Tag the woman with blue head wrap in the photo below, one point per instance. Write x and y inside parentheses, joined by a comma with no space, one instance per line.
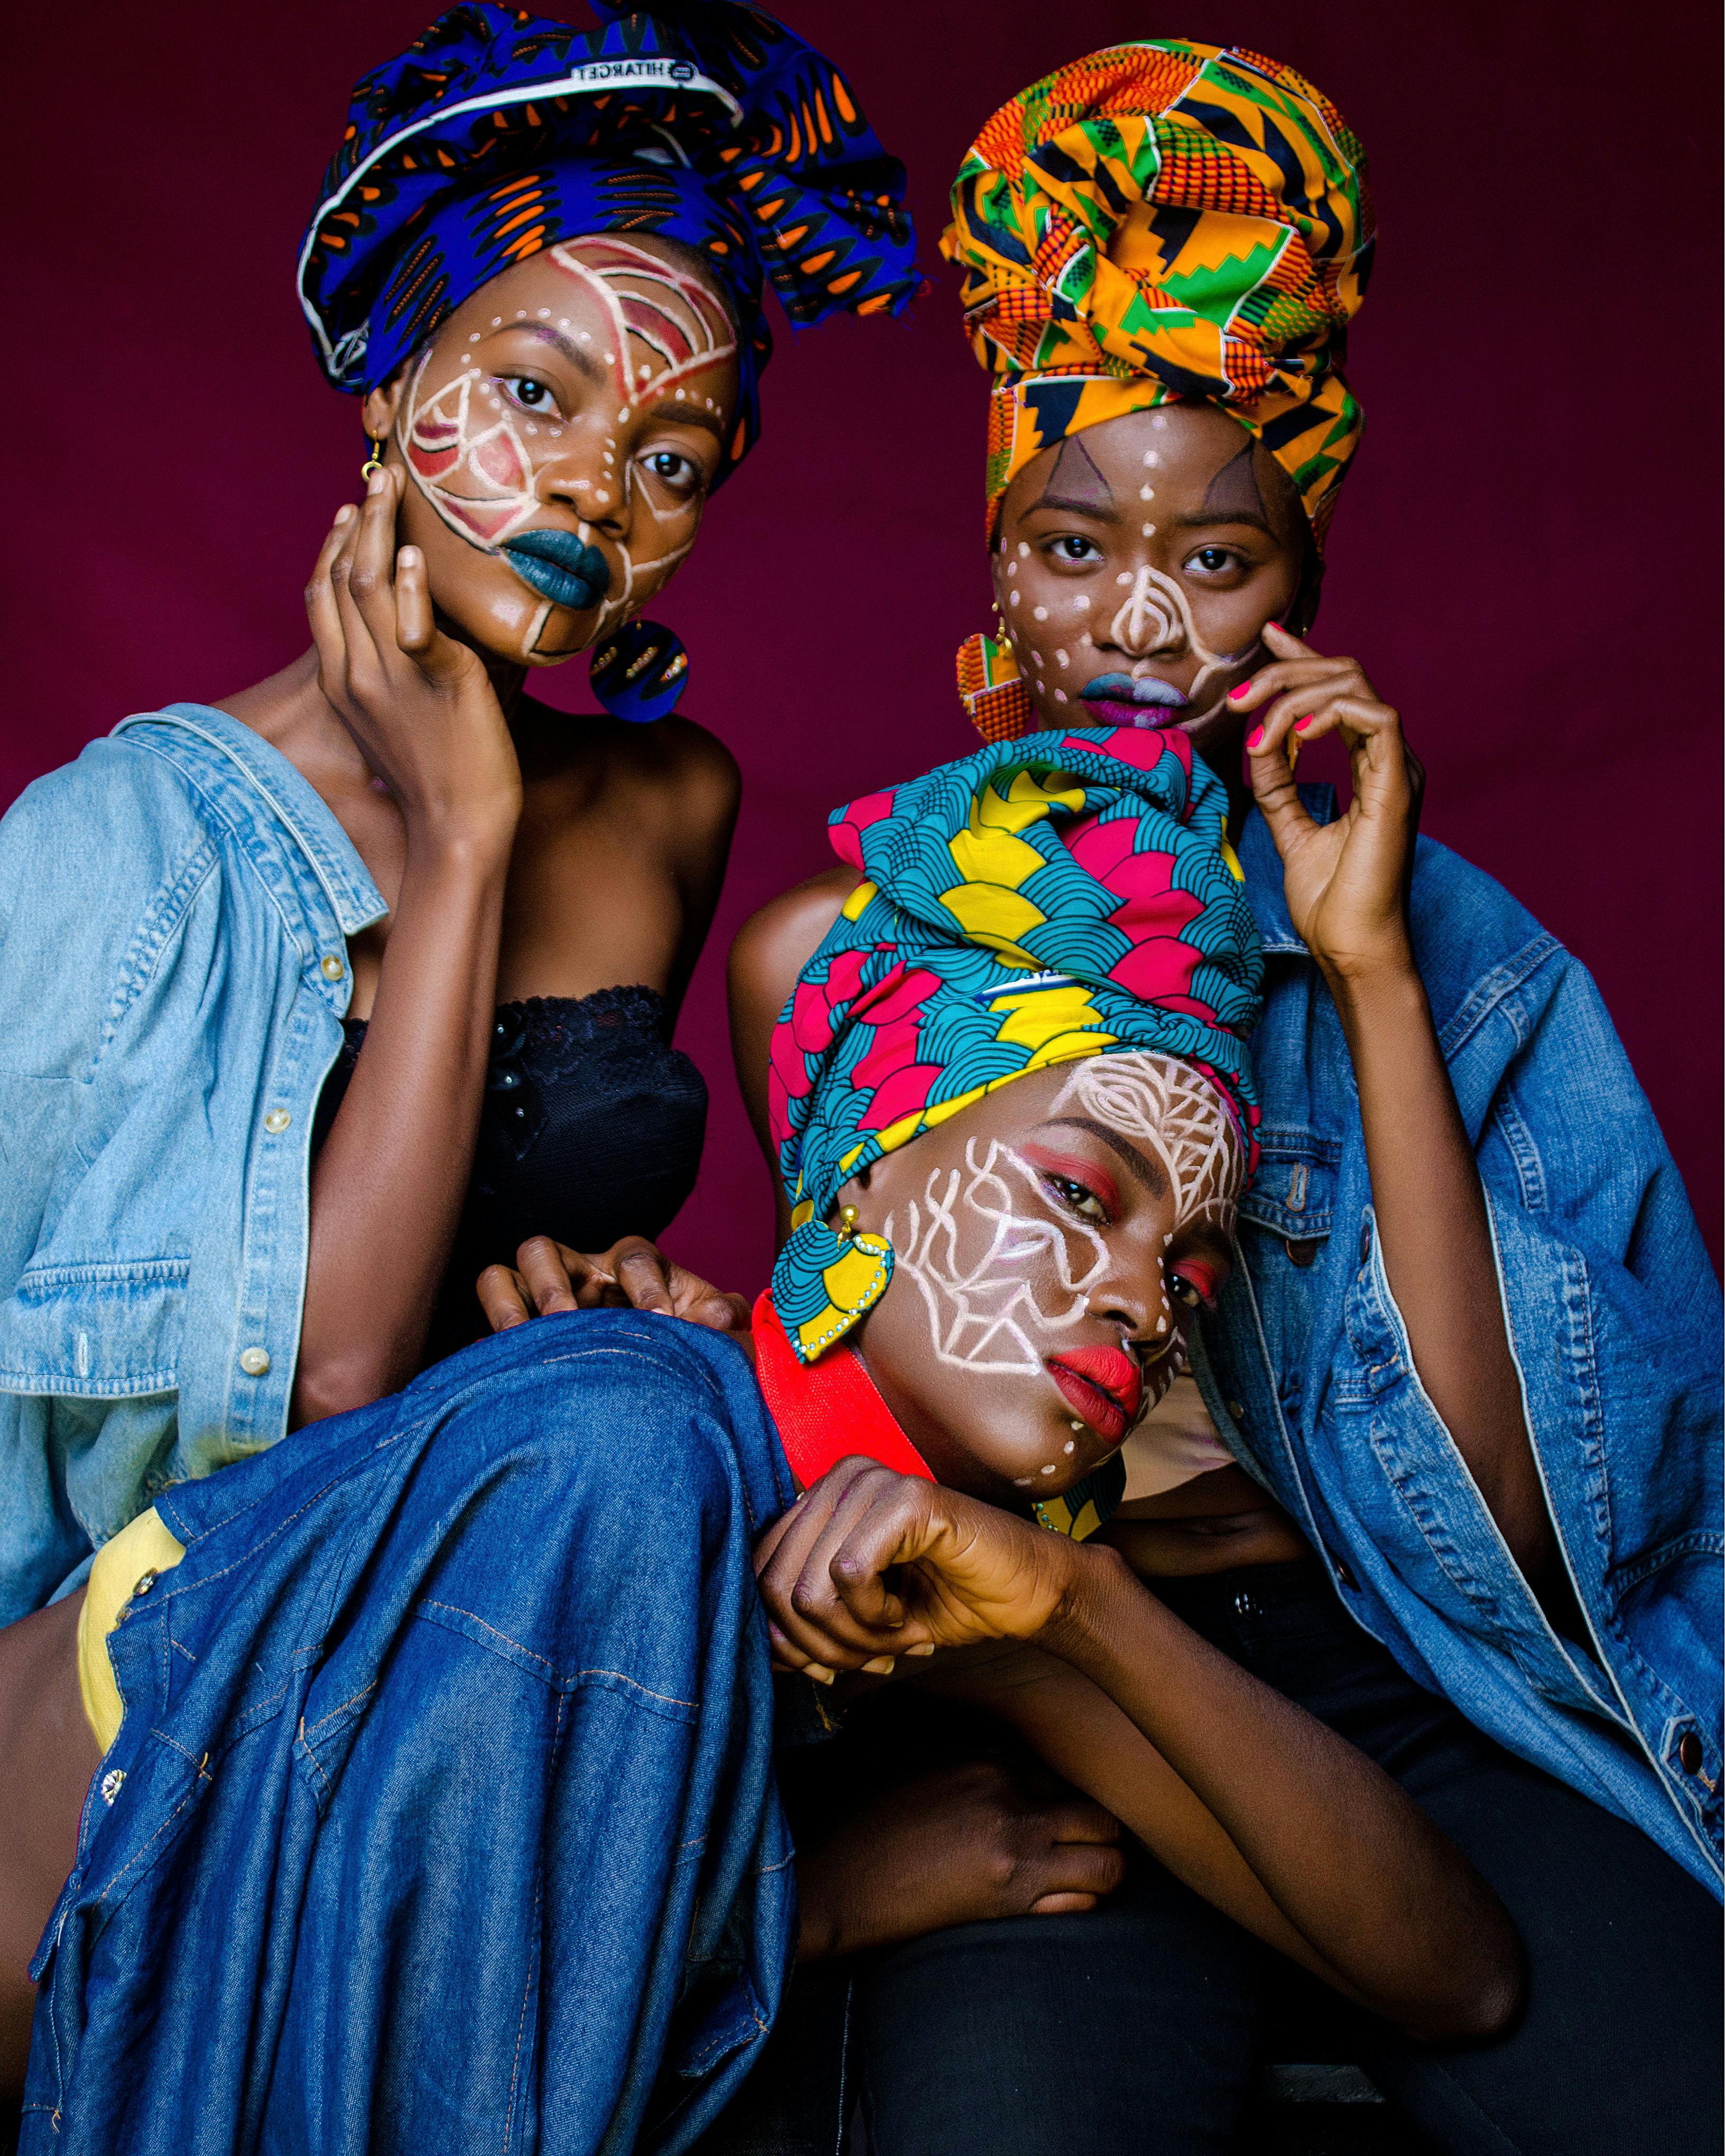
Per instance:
(418,1011)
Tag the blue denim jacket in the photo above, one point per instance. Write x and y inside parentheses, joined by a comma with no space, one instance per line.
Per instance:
(176,906)
(1614,1318)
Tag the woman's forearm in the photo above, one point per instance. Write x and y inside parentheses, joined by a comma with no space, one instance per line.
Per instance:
(1392,1909)
(1436,1243)
(387,1187)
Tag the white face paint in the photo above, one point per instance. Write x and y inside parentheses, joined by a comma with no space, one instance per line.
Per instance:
(467,448)
(980,1246)
(1168,1104)
(1156,617)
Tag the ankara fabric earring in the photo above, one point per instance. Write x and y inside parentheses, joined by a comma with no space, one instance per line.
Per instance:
(991,690)
(639,672)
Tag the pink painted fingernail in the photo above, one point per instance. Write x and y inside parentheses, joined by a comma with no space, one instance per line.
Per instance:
(1254,737)
(1301,725)
(1241,689)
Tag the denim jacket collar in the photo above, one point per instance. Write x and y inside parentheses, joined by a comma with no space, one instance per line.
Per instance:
(293,802)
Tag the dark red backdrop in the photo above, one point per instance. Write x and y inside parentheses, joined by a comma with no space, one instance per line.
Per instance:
(1526,556)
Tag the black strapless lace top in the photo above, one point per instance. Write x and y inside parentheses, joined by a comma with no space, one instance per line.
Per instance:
(591,1129)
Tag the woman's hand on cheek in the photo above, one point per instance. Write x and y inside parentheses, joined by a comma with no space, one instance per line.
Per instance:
(869,1565)
(548,1277)
(1345,882)
(420,706)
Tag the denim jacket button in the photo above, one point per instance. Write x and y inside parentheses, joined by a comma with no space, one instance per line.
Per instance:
(1343,1571)
(148,1581)
(254,1362)
(1236,1410)
(111,1784)
(333,969)
(276,1122)
(1365,1244)
(1690,1754)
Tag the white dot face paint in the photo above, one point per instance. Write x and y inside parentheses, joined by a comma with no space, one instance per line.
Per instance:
(1147,493)
(1040,613)
(1059,696)
(1082,604)
(1023,549)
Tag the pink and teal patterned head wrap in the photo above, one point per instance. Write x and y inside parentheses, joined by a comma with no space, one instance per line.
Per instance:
(1062,895)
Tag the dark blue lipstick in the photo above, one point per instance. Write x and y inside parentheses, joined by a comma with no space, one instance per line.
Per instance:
(560,568)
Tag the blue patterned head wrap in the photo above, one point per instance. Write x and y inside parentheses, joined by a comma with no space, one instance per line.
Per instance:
(497,134)
(1064,895)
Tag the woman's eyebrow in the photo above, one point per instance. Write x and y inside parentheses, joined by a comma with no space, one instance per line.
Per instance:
(1146,1172)
(691,415)
(582,362)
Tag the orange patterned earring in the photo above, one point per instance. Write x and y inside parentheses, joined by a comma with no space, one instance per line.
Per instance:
(991,690)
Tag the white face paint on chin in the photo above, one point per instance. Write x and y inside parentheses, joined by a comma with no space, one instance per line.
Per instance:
(995,1268)
(465,448)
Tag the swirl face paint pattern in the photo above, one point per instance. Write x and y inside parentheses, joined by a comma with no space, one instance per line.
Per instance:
(639,330)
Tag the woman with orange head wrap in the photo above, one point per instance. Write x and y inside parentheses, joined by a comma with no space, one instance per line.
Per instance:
(1447,1459)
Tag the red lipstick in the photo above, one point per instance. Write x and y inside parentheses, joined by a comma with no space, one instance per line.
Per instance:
(1102,1385)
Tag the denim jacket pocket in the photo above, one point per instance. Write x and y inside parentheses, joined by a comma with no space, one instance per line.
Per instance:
(1293,1193)
(102,1331)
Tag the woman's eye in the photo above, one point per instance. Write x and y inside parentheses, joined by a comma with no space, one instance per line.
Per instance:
(1071,547)
(1185,1291)
(531,394)
(1213,561)
(1084,1203)
(674,469)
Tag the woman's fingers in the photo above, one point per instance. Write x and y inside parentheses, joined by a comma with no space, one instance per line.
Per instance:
(640,1269)
(504,1298)
(371,574)
(321,609)
(796,1580)
(415,626)
(550,1275)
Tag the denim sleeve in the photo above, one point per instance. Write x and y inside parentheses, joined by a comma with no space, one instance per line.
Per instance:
(1614,1318)
(100,863)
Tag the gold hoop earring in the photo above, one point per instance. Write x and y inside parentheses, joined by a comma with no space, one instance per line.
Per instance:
(373,464)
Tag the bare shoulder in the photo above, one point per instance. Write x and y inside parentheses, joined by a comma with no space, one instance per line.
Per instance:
(685,766)
(773,945)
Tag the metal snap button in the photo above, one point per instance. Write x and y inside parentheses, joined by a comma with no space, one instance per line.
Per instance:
(254,1362)
(148,1581)
(1340,1567)
(276,1122)
(1690,1753)
(1365,1244)
(111,1784)
(333,969)
(1236,1410)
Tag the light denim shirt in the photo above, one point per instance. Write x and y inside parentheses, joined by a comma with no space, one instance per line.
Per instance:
(1614,1318)
(174,912)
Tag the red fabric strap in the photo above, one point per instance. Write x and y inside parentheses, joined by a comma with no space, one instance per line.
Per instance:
(826,1411)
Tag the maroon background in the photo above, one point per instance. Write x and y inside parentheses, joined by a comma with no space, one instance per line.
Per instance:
(1525,556)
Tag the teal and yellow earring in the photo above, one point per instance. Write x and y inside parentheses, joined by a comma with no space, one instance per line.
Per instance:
(825,1278)
(374,463)
(640,670)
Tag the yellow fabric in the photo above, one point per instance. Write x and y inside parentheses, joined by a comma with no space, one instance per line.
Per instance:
(144,1549)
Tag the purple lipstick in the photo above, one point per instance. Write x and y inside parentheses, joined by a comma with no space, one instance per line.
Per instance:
(1119,700)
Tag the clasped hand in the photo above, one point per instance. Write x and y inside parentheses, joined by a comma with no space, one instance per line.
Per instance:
(1345,882)
(869,1565)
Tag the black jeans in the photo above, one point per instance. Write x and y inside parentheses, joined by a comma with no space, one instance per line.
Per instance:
(1134,2031)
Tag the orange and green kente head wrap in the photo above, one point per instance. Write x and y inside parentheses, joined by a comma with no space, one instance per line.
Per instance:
(1162,221)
